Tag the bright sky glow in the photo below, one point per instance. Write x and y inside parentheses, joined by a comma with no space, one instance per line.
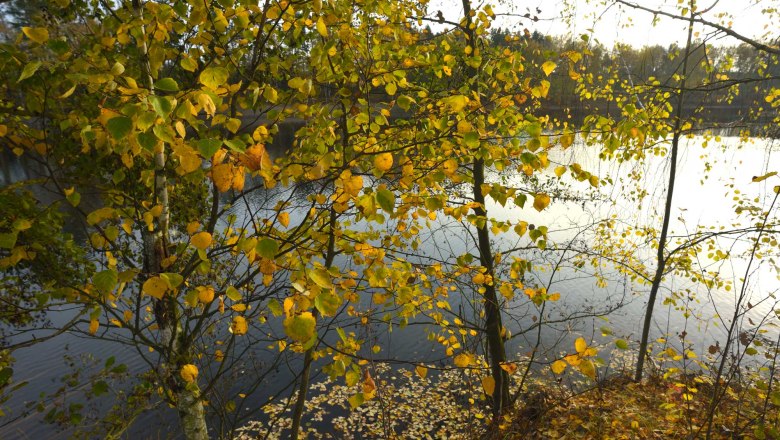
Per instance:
(610,22)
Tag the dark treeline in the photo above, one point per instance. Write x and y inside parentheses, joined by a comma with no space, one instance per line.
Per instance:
(722,79)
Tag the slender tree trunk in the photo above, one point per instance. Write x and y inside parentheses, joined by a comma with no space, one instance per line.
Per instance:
(495,341)
(493,326)
(188,402)
(661,257)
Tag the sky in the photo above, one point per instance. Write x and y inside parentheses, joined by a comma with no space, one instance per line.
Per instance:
(609,23)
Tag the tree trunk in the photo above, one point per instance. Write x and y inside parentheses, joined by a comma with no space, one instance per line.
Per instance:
(495,341)
(188,403)
(493,326)
(661,257)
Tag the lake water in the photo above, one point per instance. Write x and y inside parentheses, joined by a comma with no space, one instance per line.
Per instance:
(704,196)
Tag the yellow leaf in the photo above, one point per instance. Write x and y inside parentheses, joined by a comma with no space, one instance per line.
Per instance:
(764,177)
(192,227)
(155,287)
(222,175)
(352,377)
(238,178)
(488,385)
(301,327)
(580,345)
(321,28)
(421,371)
(68,92)
(587,368)
(256,158)
(238,307)
(350,184)
(239,325)
(462,360)
(509,367)
(383,161)
(205,294)
(201,240)
(548,67)
(39,35)
(189,373)
(450,167)
(321,277)
(541,201)
(456,103)
(560,170)
(478,279)
(284,219)
(93,326)
(573,359)
(127,315)
(558,366)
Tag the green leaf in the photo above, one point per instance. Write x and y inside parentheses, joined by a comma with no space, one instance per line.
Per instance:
(8,240)
(99,388)
(5,375)
(267,248)
(167,85)
(174,280)
(275,308)
(471,139)
(119,127)
(147,140)
(434,203)
(189,64)
(29,70)
(391,88)
(621,344)
(356,400)
(352,377)
(405,102)
(236,145)
(105,280)
(214,77)
(208,147)
(327,302)
(386,199)
(301,327)
(162,105)
(321,277)
(74,198)
(234,294)
(163,133)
